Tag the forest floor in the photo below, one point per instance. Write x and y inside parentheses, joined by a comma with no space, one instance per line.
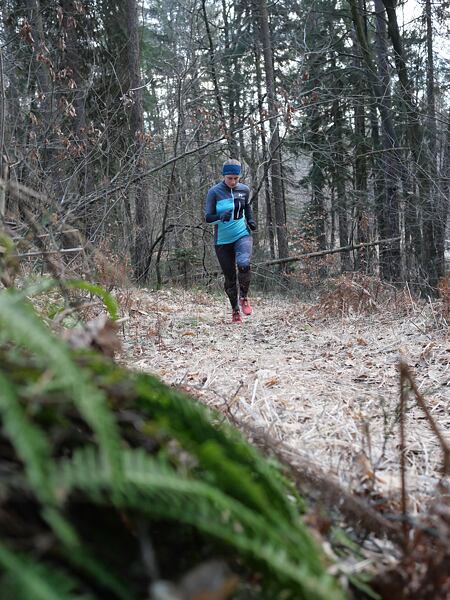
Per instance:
(322,378)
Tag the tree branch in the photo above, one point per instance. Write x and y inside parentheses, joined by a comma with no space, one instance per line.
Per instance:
(325,252)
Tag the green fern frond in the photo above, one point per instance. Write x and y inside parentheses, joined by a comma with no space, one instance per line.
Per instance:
(45,285)
(30,442)
(240,469)
(156,490)
(23,326)
(25,579)
(33,448)
(192,424)
(84,560)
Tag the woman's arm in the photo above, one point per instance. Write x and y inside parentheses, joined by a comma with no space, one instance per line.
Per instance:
(211,215)
(249,215)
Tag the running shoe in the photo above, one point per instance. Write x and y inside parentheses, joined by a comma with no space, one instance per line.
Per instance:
(236,318)
(246,306)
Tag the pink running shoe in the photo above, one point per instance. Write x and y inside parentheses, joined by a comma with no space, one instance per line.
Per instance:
(246,306)
(236,318)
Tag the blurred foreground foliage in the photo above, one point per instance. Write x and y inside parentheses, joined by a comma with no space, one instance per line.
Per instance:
(113,484)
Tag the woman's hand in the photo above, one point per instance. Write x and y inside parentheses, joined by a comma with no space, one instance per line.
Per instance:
(226,216)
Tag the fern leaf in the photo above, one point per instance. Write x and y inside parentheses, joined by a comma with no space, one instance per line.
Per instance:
(32,447)
(24,327)
(156,490)
(25,579)
(192,424)
(31,444)
(45,285)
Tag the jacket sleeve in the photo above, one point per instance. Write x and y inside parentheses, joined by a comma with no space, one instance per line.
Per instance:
(249,214)
(211,215)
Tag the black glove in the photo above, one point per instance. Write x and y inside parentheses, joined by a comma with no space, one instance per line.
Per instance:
(252,225)
(226,216)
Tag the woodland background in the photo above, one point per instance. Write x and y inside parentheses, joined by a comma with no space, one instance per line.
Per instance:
(119,115)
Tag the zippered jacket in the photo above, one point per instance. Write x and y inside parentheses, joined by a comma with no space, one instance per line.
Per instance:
(221,199)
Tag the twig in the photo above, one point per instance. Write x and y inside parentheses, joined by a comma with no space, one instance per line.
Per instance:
(255,385)
(45,252)
(406,374)
(404,500)
(122,320)
(68,311)
(88,199)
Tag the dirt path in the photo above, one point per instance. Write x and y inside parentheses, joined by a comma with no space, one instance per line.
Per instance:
(327,387)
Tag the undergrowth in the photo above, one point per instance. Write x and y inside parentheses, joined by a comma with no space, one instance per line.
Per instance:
(102,466)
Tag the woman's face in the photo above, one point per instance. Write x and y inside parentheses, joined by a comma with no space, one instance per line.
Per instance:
(231,180)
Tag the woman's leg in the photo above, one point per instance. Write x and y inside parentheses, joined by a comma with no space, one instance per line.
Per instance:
(227,260)
(243,249)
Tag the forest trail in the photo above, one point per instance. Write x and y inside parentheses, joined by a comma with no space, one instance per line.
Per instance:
(326,386)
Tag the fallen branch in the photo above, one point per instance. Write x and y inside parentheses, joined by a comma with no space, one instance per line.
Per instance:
(317,254)
(320,253)
(18,190)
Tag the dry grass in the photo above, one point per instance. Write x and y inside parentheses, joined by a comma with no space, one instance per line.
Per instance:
(327,386)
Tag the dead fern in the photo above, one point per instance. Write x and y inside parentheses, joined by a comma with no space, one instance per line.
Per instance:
(351,294)
(444,295)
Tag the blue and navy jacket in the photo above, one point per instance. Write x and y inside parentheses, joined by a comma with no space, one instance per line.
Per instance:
(220,199)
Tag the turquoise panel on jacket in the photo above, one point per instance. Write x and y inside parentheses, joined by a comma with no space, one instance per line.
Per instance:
(229,231)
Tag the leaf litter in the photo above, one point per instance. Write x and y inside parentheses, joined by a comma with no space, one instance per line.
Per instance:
(323,387)
(327,387)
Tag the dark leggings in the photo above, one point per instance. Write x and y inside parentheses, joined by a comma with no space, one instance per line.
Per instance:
(237,254)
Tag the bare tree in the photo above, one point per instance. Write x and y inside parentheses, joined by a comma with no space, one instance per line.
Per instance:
(262,16)
(139,193)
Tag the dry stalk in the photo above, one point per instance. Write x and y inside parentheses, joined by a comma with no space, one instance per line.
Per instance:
(404,499)
(407,381)
(406,375)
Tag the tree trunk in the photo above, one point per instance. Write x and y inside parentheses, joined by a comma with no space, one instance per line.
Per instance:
(141,243)
(438,198)
(431,101)
(73,61)
(44,107)
(231,67)
(274,143)
(338,170)
(317,179)
(363,260)
(265,153)
(215,81)
(171,188)
(387,207)
(431,251)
